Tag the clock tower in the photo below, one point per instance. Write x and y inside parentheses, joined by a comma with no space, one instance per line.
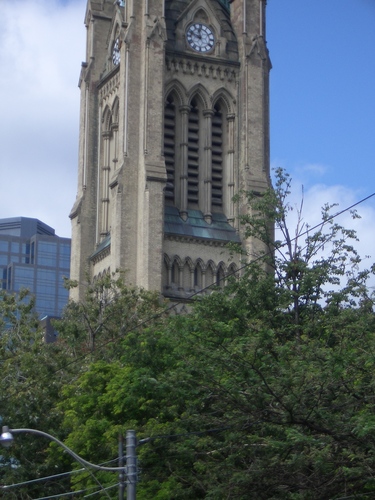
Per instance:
(174,122)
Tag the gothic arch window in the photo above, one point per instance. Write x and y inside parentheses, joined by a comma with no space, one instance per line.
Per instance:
(220,276)
(113,139)
(217,158)
(175,273)
(105,156)
(108,163)
(170,147)
(165,272)
(199,153)
(198,276)
(194,154)
(232,271)
(186,276)
(210,274)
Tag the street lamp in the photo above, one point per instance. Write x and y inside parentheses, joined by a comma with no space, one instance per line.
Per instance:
(130,470)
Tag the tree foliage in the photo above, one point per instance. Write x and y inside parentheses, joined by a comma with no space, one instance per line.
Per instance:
(32,374)
(264,390)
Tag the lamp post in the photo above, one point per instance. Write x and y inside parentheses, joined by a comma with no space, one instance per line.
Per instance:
(130,470)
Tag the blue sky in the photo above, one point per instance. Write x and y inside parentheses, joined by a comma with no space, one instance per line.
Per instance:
(323,90)
(322,105)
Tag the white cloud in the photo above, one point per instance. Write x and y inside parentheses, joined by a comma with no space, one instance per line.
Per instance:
(318,195)
(42,44)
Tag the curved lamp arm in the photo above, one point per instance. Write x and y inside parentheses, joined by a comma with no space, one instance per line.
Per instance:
(6,439)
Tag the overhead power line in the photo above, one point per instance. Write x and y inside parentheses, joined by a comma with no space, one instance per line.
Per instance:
(176,304)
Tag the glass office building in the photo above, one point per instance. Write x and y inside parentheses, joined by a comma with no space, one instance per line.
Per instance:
(33,257)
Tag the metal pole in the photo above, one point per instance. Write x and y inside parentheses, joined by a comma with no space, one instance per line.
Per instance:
(131,465)
(121,490)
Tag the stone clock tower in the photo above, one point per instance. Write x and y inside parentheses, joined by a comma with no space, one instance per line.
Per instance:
(174,122)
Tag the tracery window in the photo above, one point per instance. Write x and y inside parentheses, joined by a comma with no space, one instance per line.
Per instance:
(189,277)
(109,163)
(198,155)
(170,147)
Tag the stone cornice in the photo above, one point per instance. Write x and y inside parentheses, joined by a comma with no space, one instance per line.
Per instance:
(109,85)
(203,67)
(101,255)
(195,241)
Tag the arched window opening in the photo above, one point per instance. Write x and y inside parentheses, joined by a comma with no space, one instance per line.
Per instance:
(107,152)
(114,135)
(175,274)
(199,153)
(217,158)
(170,148)
(210,277)
(186,277)
(232,271)
(220,277)
(193,156)
(165,274)
(198,277)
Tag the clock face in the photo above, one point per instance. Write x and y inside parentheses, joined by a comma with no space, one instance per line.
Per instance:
(116,52)
(200,37)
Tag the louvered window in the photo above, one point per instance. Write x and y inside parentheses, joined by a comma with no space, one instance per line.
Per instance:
(217,158)
(199,156)
(193,157)
(170,147)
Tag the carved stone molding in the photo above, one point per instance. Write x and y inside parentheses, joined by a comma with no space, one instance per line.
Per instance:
(112,85)
(101,255)
(199,241)
(204,69)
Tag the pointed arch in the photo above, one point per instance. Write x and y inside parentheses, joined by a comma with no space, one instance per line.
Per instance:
(115,109)
(223,95)
(176,268)
(170,146)
(166,271)
(189,262)
(222,174)
(220,275)
(175,104)
(198,275)
(199,150)
(232,271)
(106,119)
(186,275)
(167,260)
(194,151)
(210,273)
(202,15)
(199,91)
(217,165)
(180,91)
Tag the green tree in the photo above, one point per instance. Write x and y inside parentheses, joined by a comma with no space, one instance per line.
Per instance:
(286,360)
(32,374)
(265,390)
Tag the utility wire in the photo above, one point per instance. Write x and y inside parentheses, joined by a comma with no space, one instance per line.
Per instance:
(39,479)
(96,492)
(55,476)
(173,306)
(76,492)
